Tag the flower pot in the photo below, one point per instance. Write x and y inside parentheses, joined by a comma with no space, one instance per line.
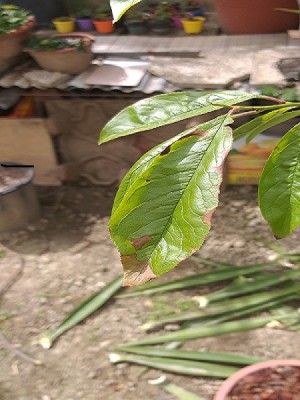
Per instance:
(64,25)
(137,27)
(227,387)
(19,204)
(194,25)
(68,61)
(256,16)
(11,44)
(160,27)
(85,24)
(104,26)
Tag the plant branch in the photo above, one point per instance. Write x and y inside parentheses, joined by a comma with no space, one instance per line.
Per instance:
(17,352)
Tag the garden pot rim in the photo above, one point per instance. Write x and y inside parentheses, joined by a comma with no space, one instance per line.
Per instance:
(28,176)
(193,19)
(63,19)
(230,382)
(31,22)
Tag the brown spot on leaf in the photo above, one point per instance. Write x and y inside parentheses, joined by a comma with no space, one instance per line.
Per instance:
(208,216)
(139,242)
(166,151)
(136,272)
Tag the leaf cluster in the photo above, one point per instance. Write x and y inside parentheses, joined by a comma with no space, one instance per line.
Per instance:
(164,206)
(12,17)
(56,43)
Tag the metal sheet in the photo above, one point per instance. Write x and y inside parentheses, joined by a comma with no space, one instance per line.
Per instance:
(117,72)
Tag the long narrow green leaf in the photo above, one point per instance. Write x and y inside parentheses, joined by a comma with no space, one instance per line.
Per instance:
(252,300)
(178,318)
(207,331)
(286,311)
(263,122)
(82,311)
(226,358)
(203,278)
(279,186)
(179,392)
(168,108)
(215,318)
(153,238)
(251,285)
(274,122)
(182,367)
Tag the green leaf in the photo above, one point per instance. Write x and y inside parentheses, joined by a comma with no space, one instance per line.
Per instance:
(119,7)
(179,392)
(264,122)
(279,187)
(168,108)
(82,311)
(165,214)
(146,160)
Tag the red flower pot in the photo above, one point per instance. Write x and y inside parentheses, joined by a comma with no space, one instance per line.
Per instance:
(228,385)
(256,16)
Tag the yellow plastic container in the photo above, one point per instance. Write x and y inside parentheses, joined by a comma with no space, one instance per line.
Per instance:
(64,25)
(194,25)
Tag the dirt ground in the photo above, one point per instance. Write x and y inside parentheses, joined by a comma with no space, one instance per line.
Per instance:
(68,255)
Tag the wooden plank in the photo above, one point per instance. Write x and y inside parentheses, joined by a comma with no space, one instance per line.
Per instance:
(27,141)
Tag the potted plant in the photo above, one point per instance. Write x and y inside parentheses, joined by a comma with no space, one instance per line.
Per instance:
(255,17)
(103,20)
(192,24)
(16,25)
(275,379)
(84,20)
(160,21)
(68,53)
(136,21)
(194,7)
(64,24)
(187,10)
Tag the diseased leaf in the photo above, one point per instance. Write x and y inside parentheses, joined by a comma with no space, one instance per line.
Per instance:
(165,213)
(146,160)
(119,7)
(263,122)
(279,187)
(168,108)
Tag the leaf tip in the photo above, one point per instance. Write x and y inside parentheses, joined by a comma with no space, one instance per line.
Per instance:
(136,272)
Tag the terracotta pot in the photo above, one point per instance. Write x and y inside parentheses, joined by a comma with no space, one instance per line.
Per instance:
(11,44)
(231,382)
(68,61)
(105,26)
(256,16)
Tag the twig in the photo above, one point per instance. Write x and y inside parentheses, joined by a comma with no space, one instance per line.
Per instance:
(4,288)
(17,352)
